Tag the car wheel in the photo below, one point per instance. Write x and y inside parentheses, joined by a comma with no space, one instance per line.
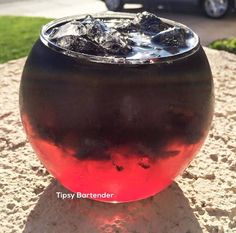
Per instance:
(215,8)
(114,5)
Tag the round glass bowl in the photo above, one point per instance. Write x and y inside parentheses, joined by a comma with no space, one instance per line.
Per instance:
(105,125)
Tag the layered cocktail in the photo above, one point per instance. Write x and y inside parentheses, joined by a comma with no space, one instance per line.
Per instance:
(116,103)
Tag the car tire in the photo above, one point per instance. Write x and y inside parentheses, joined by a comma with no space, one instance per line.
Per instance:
(215,9)
(114,5)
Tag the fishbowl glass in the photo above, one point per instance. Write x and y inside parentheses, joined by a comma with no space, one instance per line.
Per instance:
(116,124)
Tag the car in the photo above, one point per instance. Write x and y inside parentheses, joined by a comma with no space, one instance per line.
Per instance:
(212,8)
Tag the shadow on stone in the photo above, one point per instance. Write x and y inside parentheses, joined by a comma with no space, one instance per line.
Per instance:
(169,211)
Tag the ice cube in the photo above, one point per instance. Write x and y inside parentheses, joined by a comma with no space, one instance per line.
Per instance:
(96,30)
(66,42)
(172,37)
(73,28)
(126,26)
(94,27)
(145,22)
(91,36)
(110,40)
(148,23)
(88,19)
(80,44)
(115,43)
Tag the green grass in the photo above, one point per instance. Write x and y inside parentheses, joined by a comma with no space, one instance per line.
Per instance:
(17,35)
(224,44)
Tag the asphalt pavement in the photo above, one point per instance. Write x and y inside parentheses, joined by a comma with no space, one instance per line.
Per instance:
(207,29)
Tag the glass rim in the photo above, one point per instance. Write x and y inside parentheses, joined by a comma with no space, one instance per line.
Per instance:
(114,59)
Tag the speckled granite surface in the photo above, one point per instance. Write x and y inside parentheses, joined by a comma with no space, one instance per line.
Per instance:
(203,199)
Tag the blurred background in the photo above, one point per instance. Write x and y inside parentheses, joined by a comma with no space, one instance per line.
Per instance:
(213,20)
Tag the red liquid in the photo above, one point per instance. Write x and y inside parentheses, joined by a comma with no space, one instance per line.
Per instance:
(125,175)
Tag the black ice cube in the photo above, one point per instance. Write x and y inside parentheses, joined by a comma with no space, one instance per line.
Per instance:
(172,37)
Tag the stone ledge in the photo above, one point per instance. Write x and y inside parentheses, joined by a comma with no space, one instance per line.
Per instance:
(203,199)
